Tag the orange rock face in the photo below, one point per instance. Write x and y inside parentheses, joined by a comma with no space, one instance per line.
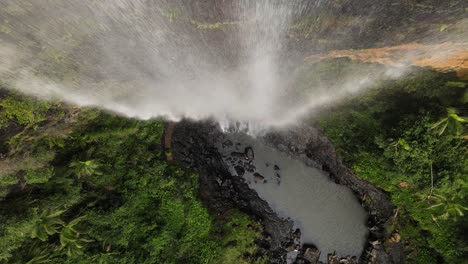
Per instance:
(445,57)
(403,184)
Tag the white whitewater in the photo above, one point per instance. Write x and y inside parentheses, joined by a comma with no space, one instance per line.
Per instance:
(172,59)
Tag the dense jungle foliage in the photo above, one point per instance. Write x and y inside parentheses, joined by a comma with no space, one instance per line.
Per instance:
(408,137)
(84,186)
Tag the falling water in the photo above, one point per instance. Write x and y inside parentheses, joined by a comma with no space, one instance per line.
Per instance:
(227,60)
(149,58)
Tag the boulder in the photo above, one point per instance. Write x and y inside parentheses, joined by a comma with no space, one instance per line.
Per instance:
(258,178)
(239,170)
(311,255)
(249,154)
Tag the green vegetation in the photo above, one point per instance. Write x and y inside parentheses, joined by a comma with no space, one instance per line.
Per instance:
(83,186)
(172,14)
(408,137)
(216,25)
(23,111)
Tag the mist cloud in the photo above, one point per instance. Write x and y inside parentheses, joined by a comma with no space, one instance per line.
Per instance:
(149,59)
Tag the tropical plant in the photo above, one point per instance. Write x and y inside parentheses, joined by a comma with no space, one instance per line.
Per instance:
(49,223)
(72,239)
(446,207)
(38,253)
(23,111)
(104,258)
(39,260)
(452,123)
(400,143)
(85,168)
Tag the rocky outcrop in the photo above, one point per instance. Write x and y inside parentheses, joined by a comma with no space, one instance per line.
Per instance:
(444,57)
(314,149)
(308,255)
(194,144)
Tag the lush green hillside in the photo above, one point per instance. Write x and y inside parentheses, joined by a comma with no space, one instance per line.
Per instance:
(407,136)
(83,186)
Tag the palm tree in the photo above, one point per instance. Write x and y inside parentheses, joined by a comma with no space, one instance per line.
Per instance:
(448,208)
(42,259)
(104,258)
(452,123)
(49,223)
(39,253)
(85,168)
(71,239)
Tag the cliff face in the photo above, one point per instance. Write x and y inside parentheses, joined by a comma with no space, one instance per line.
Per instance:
(444,57)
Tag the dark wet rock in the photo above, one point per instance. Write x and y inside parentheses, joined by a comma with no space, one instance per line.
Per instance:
(377,254)
(311,255)
(237,155)
(276,167)
(227,144)
(293,148)
(239,170)
(234,192)
(396,252)
(265,242)
(395,248)
(308,254)
(249,153)
(238,145)
(278,178)
(219,181)
(258,177)
(332,259)
(267,164)
(226,183)
(376,233)
(250,168)
(194,144)
(282,147)
(297,233)
(290,246)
